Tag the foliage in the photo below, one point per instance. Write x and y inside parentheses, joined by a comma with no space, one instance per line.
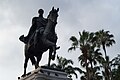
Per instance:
(92,59)
(115,64)
(66,65)
(103,38)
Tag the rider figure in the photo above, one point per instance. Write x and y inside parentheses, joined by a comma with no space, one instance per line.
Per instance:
(38,24)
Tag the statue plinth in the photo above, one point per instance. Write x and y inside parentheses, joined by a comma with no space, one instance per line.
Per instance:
(43,73)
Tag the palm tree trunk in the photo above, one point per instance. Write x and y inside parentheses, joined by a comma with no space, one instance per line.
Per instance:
(87,71)
(91,77)
(104,49)
(111,74)
(103,44)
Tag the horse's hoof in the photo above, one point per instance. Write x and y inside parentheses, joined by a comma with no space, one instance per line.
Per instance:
(18,77)
(41,71)
(36,66)
(23,75)
(57,47)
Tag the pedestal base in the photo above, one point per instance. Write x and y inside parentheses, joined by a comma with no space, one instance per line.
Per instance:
(45,74)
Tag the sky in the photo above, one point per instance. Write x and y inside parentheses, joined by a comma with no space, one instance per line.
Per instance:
(74,16)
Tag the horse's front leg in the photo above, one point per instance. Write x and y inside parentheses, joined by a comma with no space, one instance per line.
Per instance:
(32,58)
(25,66)
(56,48)
(38,59)
(49,43)
(50,56)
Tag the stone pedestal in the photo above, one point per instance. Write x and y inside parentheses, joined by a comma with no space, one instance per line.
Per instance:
(45,74)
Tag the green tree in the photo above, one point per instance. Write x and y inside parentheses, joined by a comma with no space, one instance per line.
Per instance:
(115,64)
(90,53)
(104,39)
(106,68)
(83,44)
(66,65)
(116,73)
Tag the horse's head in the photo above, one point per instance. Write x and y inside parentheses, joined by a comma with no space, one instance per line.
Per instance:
(53,15)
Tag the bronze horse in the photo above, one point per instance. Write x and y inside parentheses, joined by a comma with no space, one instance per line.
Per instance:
(46,41)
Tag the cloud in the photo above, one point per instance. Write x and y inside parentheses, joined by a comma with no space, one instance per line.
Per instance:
(74,16)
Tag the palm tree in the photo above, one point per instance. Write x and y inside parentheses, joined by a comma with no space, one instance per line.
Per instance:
(84,45)
(90,53)
(104,39)
(106,68)
(116,73)
(94,58)
(89,44)
(115,64)
(111,68)
(94,74)
(66,65)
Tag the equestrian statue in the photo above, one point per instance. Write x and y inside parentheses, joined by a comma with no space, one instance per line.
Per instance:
(41,37)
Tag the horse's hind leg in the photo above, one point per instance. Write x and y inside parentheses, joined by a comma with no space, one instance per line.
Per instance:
(53,56)
(25,65)
(50,56)
(38,59)
(32,58)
